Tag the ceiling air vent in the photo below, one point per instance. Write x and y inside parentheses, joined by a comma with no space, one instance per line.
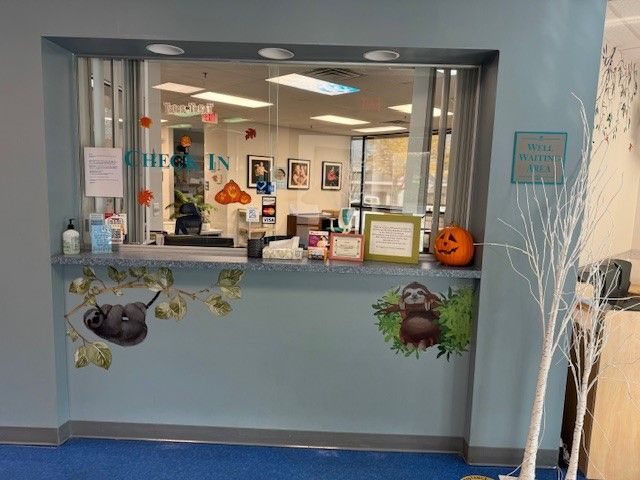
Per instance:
(333,73)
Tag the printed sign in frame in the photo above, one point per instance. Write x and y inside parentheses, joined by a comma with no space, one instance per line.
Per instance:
(538,157)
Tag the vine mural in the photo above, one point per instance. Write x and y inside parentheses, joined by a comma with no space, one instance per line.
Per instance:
(617,89)
(125,325)
(412,319)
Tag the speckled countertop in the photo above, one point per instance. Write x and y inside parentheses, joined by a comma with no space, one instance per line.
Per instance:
(202,261)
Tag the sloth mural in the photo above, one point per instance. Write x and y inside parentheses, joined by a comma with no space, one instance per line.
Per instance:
(126,325)
(412,319)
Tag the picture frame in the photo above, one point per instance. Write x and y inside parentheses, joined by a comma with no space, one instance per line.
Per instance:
(299,174)
(259,168)
(392,238)
(331,176)
(349,247)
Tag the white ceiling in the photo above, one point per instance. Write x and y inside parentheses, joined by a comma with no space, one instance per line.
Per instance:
(380,87)
(622,28)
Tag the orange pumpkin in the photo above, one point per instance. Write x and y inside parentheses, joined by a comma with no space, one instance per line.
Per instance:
(454,246)
(245,198)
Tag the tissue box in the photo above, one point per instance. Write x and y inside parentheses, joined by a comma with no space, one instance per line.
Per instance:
(282,253)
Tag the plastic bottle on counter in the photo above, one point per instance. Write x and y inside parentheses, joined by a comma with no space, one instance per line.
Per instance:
(71,240)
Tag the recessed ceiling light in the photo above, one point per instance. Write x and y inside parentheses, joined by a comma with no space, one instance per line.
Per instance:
(231,100)
(164,49)
(389,128)
(273,53)
(407,109)
(180,125)
(311,84)
(235,120)
(381,55)
(339,119)
(177,87)
(453,72)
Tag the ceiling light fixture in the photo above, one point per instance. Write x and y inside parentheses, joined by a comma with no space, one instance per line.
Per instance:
(235,120)
(231,100)
(453,72)
(180,125)
(163,120)
(381,55)
(177,87)
(407,109)
(311,84)
(387,129)
(274,53)
(339,119)
(164,49)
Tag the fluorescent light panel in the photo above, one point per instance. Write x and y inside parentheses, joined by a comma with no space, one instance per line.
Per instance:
(386,129)
(311,84)
(235,120)
(407,109)
(180,125)
(231,100)
(177,87)
(339,119)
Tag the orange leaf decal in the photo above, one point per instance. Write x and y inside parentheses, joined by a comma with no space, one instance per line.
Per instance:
(249,133)
(145,197)
(145,122)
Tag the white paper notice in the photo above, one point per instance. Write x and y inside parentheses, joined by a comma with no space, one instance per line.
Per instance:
(391,238)
(103,172)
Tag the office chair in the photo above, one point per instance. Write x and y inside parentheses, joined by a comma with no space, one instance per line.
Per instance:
(190,220)
(344,221)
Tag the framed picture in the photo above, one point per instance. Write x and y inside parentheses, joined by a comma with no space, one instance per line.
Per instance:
(346,246)
(259,169)
(331,176)
(298,175)
(392,238)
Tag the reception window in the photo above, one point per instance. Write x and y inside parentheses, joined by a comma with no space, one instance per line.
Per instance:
(204,142)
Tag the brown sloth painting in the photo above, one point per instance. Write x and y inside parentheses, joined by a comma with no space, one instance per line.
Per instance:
(417,307)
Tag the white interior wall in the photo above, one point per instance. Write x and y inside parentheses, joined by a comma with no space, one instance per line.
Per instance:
(618,232)
(290,143)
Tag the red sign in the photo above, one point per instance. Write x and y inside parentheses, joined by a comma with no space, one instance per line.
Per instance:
(210,117)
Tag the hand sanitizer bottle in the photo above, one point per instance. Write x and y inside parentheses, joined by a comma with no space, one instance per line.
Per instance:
(70,240)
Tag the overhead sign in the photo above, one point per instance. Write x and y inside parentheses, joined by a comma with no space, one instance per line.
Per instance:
(211,117)
(538,157)
(189,109)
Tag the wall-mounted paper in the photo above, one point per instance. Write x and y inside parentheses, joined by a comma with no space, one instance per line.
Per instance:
(103,172)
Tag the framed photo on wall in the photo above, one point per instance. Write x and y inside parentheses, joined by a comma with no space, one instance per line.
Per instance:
(259,169)
(331,176)
(298,175)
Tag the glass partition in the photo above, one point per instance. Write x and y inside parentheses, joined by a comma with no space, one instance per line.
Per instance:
(203,142)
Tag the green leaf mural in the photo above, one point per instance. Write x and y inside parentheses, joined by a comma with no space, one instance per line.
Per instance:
(125,325)
(412,319)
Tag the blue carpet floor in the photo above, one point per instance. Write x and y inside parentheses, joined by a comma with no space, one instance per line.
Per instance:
(85,459)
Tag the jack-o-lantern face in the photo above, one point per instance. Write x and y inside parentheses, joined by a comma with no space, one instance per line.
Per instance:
(454,246)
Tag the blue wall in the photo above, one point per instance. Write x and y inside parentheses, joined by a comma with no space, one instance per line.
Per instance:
(299,351)
(548,49)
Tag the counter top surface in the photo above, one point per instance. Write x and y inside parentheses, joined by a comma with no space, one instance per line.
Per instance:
(203,261)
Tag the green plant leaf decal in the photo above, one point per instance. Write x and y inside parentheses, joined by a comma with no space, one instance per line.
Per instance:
(72,334)
(115,275)
(232,292)
(217,305)
(163,311)
(80,357)
(152,283)
(99,354)
(165,277)
(178,307)
(455,317)
(88,272)
(80,285)
(138,272)
(229,277)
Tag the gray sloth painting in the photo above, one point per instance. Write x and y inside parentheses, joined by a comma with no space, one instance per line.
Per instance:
(126,324)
